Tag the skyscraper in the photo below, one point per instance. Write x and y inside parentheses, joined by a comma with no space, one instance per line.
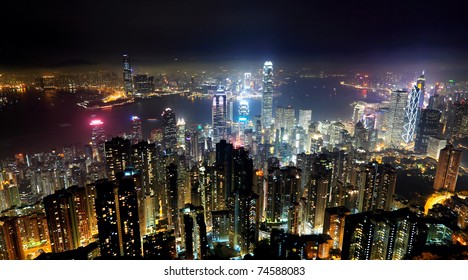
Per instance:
(267,96)
(447,169)
(396,119)
(412,112)
(379,235)
(98,137)
(219,115)
(169,129)
(305,118)
(421,84)
(127,76)
(67,218)
(243,119)
(137,133)
(117,156)
(118,218)
(428,126)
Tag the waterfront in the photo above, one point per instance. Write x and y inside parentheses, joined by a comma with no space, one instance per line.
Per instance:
(43,121)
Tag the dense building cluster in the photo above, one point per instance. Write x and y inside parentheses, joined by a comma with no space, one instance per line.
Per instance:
(270,186)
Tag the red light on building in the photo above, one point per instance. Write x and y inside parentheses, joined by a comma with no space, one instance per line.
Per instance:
(96,122)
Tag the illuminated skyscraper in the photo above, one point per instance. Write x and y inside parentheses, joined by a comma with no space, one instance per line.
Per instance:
(137,134)
(305,118)
(127,76)
(267,96)
(118,219)
(447,169)
(98,137)
(421,84)
(428,125)
(396,119)
(243,119)
(379,235)
(194,232)
(117,156)
(169,129)
(247,81)
(219,115)
(412,112)
(67,218)
(181,134)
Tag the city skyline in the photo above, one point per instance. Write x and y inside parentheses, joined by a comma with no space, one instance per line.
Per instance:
(234,130)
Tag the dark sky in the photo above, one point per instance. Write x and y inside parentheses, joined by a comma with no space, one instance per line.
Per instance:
(59,33)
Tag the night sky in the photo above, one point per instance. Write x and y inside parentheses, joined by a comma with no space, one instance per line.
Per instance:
(57,33)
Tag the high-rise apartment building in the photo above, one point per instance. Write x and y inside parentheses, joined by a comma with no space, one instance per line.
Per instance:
(447,169)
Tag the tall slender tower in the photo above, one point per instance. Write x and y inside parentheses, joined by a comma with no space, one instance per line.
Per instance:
(219,115)
(169,129)
(267,97)
(98,137)
(127,76)
(412,111)
(137,133)
(396,117)
(421,84)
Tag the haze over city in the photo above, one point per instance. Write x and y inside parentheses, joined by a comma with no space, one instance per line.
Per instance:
(234,130)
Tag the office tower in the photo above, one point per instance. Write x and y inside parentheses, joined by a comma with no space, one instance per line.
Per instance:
(68,219)
(421,84)
(169,129)
(247,82)
(380,235)
(334,224)
(305,118)
(98,137)
(243,120)
(412,112)
(194,232)
(219,115)
(267,95)
(434,145)
(143,159)
(137,133)
(284,118)
(143,84)
(358,111)
(428,126)
(457,120)
(118,219)
(160,245)
(127,76)
(172,198)
(181,134)
(447,169)
(360,137)
(118,153)
(396,119)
